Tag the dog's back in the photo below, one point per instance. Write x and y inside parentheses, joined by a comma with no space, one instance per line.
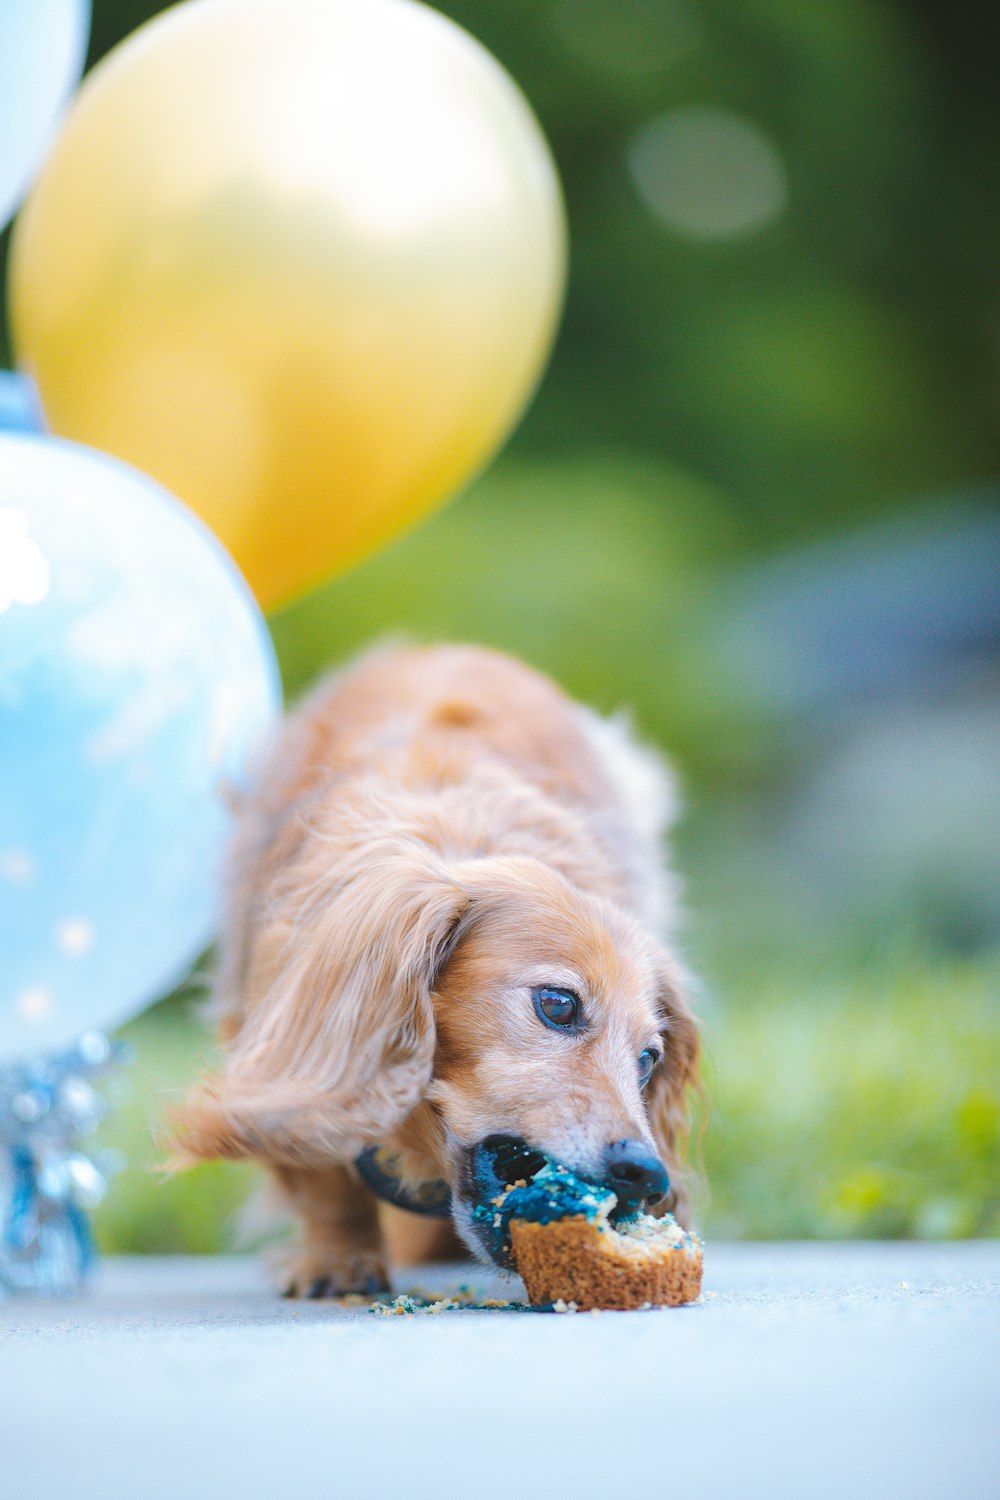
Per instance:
(449,713)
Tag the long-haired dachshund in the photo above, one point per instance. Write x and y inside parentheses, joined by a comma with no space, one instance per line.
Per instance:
(440,938)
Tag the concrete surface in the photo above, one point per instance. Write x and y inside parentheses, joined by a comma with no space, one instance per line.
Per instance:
(807,1371)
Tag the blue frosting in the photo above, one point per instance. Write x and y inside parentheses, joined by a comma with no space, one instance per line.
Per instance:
(554,1192)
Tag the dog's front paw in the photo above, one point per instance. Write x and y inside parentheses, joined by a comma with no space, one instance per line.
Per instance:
(317,1273)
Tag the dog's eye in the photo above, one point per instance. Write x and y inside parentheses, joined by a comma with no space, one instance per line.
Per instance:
(559,1008)
(648,1059)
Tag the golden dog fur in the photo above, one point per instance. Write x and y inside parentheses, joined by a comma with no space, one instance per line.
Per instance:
(437,831)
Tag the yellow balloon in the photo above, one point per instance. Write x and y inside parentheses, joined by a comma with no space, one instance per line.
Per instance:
(301,261)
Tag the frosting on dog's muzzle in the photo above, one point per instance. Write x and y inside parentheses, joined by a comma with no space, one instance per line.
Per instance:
(378,1169)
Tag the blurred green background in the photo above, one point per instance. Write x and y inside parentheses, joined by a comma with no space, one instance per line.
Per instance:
(754,502)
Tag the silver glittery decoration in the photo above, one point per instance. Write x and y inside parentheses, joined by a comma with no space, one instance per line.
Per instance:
(48,1184)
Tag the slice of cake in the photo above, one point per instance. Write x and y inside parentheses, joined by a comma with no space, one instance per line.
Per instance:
(567,1250)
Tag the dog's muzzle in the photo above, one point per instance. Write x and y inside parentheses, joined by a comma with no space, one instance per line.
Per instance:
(631,1171)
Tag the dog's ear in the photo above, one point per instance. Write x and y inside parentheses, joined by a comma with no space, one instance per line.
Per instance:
(339,1047)
(670,1088)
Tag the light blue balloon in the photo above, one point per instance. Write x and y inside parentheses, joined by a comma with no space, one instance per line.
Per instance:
(43,44)
(137,684)
(20,408)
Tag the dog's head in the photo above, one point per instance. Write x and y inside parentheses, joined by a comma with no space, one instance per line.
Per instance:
(560,1025)
(432,1007)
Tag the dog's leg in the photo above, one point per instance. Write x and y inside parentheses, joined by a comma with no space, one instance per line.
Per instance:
(341,1248)
(413,1241)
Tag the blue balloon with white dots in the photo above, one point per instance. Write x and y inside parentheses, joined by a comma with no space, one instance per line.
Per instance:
(138,688)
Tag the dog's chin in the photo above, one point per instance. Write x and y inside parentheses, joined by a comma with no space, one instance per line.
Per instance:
(474,1233)
(471,1208)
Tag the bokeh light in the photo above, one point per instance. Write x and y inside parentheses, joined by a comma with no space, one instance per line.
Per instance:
(708,173)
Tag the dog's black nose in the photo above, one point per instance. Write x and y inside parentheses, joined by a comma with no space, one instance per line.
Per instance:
(637,1175)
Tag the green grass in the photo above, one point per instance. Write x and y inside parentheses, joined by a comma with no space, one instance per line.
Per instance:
(864,1108)
(146,1211)
(867,1107)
